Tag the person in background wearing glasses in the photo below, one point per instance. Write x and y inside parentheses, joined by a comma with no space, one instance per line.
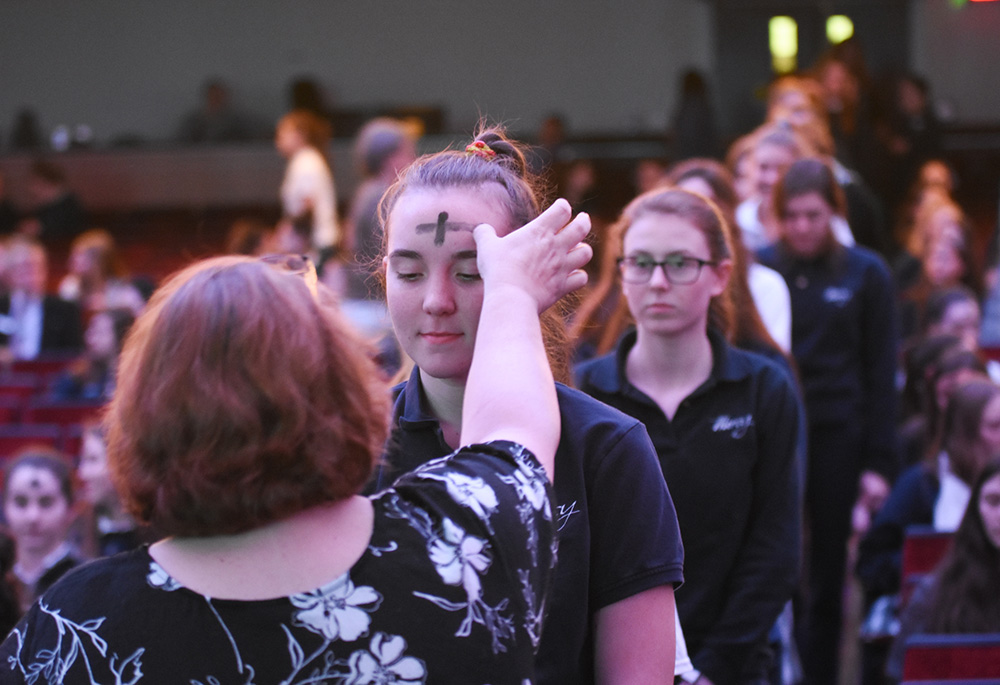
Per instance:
(724,423)
(845,341)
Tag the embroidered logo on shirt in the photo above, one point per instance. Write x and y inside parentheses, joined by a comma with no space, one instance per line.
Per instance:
(837,296)
(565,511)
(738,425)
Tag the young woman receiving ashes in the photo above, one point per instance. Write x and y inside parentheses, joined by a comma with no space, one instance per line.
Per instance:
(611,613)
(245,421)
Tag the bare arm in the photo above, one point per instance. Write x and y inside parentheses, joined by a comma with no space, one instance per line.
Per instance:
(634,639)
(510,393)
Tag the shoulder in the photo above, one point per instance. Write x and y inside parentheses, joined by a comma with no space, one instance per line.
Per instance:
(580,409)
(600,373)
(869,262)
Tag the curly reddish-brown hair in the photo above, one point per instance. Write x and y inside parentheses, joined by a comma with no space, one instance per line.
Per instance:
(241,399)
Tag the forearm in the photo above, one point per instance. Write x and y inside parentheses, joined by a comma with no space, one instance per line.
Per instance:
(510,393)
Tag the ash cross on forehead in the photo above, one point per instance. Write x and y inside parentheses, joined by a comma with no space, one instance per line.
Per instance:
(443,225)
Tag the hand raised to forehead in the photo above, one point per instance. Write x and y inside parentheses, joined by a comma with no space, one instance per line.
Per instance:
(544,258)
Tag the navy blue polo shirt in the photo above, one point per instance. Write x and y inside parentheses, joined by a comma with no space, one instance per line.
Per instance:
(618,533)
(729,456)
(845,341)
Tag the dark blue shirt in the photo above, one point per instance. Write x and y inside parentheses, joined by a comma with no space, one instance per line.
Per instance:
(618,533)
(730,457)
(845,341)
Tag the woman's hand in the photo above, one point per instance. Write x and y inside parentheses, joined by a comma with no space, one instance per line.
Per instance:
(544,258)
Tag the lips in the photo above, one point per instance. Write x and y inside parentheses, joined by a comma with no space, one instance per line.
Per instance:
(440,337)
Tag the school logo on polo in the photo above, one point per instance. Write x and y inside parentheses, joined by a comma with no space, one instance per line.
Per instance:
(837,296)
(737,425)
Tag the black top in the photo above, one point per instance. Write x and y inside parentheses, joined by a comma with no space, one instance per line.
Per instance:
(450,589)
(846,343)
(730,457)
(618,531)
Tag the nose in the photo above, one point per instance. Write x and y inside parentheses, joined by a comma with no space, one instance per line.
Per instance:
(439,298)
(658,279)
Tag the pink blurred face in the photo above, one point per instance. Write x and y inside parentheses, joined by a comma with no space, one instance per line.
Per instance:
(989,425)
(961,319)
(805,225)
(433,288)
(100,337)
(772,162)
(28,271)
(36,510)
(943,263)
(93,471)
(989,509)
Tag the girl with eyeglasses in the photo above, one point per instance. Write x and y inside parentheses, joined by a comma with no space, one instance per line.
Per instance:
(844,340)
(724,423)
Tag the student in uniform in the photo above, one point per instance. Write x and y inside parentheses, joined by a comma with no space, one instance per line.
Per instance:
(724,422)
(845,342)
(611,611)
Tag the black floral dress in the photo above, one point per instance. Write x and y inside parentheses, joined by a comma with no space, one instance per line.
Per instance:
(450,589)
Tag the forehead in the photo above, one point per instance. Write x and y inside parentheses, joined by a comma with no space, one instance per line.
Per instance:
(419,214)
(804,202)
(33,479)
(992,486)
(665,233)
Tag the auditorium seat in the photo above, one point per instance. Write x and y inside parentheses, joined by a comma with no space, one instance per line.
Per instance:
(952,658)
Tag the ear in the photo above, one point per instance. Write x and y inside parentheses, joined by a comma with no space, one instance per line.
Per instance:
(722,271)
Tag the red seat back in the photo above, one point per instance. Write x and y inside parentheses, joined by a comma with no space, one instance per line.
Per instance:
(952,657)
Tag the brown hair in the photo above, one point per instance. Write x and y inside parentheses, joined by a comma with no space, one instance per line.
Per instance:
(704,215)
(809,175)
(961,427)
(100,245)
(47,459)
(965,599)
(241,399)
(521,198)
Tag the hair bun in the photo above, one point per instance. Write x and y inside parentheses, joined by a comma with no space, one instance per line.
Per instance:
(507,152)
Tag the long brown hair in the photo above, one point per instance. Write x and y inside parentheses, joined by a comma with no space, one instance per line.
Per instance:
(965,598)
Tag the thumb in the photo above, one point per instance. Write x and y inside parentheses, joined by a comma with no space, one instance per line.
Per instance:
(483,234)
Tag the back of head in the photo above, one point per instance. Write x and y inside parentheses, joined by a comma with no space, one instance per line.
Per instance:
(314,129)
(377,142)
(241,399)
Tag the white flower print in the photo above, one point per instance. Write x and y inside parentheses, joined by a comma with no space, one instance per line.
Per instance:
(459,558)
(339,610)
(159,578)
(469,491)
(385,663)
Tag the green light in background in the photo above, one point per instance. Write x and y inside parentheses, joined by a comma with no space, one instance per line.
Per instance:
(839,28)
(783,38)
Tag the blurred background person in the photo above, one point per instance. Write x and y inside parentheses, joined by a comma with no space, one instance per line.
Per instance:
(307,191)
(31,321)
(38,510)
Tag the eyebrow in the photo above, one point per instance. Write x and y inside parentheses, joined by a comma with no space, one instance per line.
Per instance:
(412,254)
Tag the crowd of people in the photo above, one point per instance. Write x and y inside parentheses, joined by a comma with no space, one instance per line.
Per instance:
(387,443)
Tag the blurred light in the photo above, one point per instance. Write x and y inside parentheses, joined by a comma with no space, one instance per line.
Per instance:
(783,37)
(839,28)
